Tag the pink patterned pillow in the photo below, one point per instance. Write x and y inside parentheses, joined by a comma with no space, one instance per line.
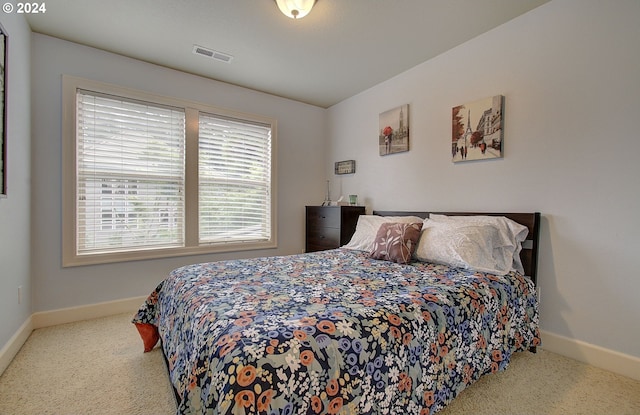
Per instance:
(396,242)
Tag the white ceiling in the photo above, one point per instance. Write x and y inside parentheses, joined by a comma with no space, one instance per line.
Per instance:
(341,48)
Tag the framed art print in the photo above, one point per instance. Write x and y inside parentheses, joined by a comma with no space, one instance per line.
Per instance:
(393,131)
(3,112)
(477,130)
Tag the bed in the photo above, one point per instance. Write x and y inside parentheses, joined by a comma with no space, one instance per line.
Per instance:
(372,327)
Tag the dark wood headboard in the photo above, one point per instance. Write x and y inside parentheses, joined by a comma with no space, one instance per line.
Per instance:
(529,253)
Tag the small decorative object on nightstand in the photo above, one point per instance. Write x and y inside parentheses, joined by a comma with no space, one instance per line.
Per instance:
(330,227)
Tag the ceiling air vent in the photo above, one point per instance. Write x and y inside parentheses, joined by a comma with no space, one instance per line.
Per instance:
(212,54)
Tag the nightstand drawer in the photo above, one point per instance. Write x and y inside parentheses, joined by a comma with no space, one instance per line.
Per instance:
(323,217)
(323,238)
(330,227)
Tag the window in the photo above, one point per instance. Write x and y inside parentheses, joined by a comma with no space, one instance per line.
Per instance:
(148,176)
(234,179)
(129,174)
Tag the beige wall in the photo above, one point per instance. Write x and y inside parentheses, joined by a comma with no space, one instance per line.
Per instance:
(15,208)
(301,135)
(569,73)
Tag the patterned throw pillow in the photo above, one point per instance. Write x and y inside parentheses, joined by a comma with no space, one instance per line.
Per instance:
(368,226)
(396,242)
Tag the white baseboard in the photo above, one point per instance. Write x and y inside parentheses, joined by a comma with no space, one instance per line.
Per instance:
(11,349)
(86,312)
(593,355)
(62,316)
(611,360)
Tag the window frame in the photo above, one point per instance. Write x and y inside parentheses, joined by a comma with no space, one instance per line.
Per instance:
(192,246)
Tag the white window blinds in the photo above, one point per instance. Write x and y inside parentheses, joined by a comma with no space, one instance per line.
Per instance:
(234,180)
(130,174)
(148,176)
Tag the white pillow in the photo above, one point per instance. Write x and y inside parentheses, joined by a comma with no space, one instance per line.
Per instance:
(481,243)
(367,229)
(512,230)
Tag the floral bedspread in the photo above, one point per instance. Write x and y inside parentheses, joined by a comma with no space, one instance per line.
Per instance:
(335,332)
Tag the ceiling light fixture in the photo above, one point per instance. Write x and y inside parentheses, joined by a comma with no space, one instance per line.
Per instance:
(295,9)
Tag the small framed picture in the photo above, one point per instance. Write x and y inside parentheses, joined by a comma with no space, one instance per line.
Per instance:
(345,167)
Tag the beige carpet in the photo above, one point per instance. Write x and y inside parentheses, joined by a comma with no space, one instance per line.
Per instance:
(97,367)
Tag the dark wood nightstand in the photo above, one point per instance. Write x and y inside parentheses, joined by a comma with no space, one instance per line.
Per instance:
(330,227)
